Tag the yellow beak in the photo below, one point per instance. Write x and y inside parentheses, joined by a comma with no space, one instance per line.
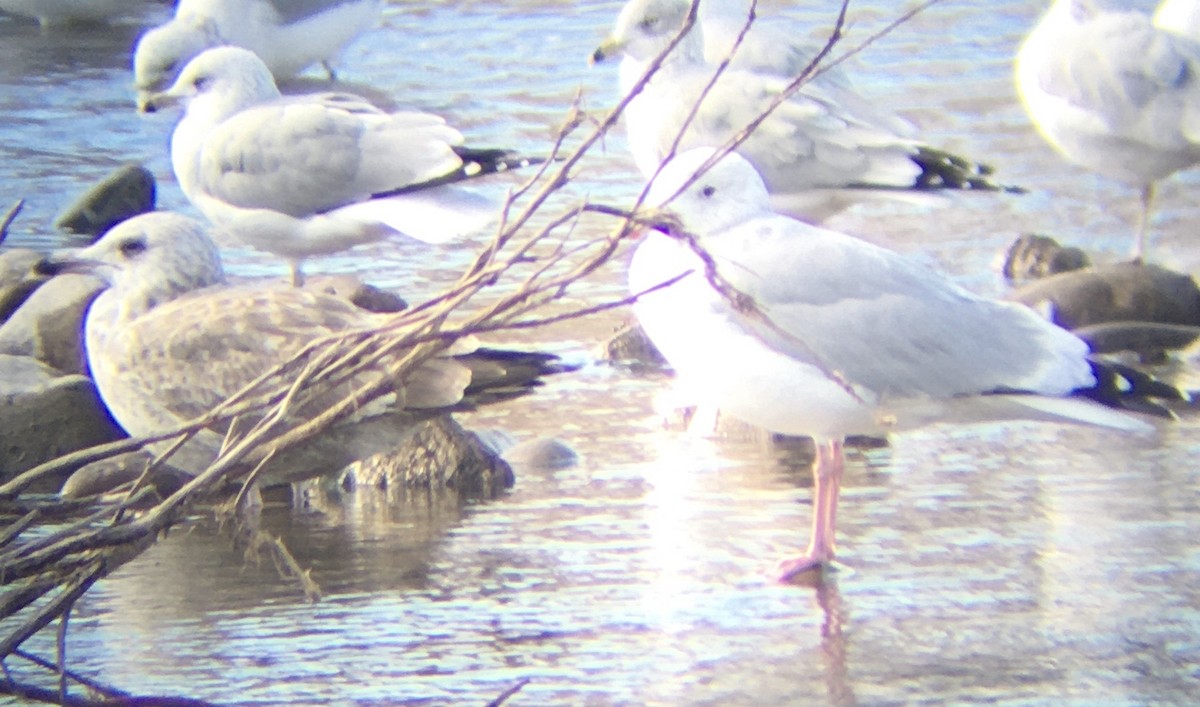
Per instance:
(608,48)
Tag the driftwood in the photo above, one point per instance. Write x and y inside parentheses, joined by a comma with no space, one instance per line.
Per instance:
(528,265)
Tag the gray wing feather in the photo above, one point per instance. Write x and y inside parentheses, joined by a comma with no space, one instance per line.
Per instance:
(887,323)
(308,156)
(291,11)
(809,142)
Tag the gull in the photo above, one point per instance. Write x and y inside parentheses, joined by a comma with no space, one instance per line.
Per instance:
(316,174)
(818,153)
(770,46)
(167,340)
(848,338)
(1113,94)
(287,36)
(55,12)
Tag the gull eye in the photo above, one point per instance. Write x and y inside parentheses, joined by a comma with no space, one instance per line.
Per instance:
(708,191)
(201,83)
(132,247)
(648,23)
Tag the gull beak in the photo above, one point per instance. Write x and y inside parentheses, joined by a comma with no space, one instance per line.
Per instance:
(657,218)
(607,49)
(67,261)
(152,102)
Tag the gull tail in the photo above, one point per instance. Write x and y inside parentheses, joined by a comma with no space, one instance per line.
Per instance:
(433,215)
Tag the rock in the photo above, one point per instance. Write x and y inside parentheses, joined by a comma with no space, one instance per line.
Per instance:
(49,325)
(630,345)
(541,455)
(18,279)
(1129,292)
(45,414)
(1149,340)
(123,193)
(1032,257)
(362,295)
(438,454)
(105,475)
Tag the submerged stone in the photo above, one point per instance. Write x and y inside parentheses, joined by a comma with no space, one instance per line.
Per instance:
(439,454)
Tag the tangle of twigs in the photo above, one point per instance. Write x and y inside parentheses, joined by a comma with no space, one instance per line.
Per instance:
(532,260)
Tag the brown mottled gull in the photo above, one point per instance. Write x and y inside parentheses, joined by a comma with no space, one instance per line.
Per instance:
(168,340)
(854,339)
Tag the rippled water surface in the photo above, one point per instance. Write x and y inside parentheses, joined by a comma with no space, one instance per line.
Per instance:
(1019,562)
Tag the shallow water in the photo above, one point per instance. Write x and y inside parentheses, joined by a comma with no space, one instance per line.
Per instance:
(1019,562)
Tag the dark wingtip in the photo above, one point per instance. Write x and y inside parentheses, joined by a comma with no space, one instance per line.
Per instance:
(476,162)
(942,170)
(1125,388)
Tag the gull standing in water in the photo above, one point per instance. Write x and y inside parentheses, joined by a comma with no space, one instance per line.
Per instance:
(817,153)
(316,174)
(168,341)
(850,338)
(288,35)
(1114,94)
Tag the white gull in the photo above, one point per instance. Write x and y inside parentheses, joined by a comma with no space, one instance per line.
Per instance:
(288,35)
(819,152)
(853,338)
(1113,94)
(316,174)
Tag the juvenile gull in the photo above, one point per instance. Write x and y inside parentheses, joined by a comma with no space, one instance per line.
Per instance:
(854,339)
(288,35)
(817,153)
(168,340)
(1113,94)
(316,174)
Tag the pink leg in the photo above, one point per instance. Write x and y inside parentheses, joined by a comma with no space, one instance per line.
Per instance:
(827,482)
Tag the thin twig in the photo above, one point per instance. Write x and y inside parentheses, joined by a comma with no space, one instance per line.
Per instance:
(10,217)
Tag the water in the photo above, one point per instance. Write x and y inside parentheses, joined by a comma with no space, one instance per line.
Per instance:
(1020,562)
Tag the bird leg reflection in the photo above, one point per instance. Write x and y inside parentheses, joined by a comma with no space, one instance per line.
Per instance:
(1139,244)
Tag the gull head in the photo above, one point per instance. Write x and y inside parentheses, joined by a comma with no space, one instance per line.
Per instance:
(147,260)
(163,51)
(645,28)
(703,197)
(219,82)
